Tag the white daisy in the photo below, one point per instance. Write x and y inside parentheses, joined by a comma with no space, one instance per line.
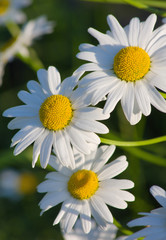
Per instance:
(55,115)
(127,65)
(15,184)
(10,11)
(155,221)
(96,232)
(86,189)
(31,31)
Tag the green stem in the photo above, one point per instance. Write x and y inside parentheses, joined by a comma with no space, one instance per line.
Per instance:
(121,228)
(134,143)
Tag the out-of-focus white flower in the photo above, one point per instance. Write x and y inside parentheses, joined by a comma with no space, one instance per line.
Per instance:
(14,184)
(96,232)
(155,221)
(10,10)
(86,190)
(31,31)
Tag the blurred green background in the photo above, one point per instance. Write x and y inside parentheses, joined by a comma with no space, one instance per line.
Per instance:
(19,217)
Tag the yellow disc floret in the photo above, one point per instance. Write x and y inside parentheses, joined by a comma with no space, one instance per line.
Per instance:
(131,63)
(4,5)
(83,184)
(56,112)
(27,183)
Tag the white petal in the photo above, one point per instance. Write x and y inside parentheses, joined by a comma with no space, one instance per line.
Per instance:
(99,220)
(156,99)
(146,31)
(21,111)
(102,209)
(90,125)
(37,147)
(72,215)
(34,87)
(134,28)
(30,99)
(51,186)
(117,183)
(117,31)
(102,38)
(77,140)
(63,149)
(127,101)
(114,96)
(56,164)
(52,199)
(21,122)
(159,194)
(69,84)
(101,159)
(42,75)
(85,216)
(91,67)
(156,42)
(54,80)
(46,148)
(97,55)
(93,77)
(91,113)
(30,138)
(142,97)
(58,177)
(145,232)
(112,198)
(113,169)
(65,207)
(23,133)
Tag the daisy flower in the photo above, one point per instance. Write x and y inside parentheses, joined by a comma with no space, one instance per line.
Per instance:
(31,31)
(10,11)
(53,115)
(86,189)
(154,221)
(15,184)
(127,65)
(96,232)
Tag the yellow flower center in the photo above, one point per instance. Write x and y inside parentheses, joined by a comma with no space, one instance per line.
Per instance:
(4,5)
(27,183)
(131,63)
(83,184)
(56,112)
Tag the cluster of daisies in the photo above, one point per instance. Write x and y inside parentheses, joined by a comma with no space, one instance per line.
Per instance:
(62,120)
(22,38)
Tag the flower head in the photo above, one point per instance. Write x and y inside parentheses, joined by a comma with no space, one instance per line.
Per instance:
(86,189)
(155,221)
(96,232)
(127,65)
(53,115)
(10,10)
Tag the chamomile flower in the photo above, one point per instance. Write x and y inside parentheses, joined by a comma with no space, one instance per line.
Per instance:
(15,184)
(86,189)
(96,232)
(31,31)
(10,11)
(127,65)
(55,116)
(154,221)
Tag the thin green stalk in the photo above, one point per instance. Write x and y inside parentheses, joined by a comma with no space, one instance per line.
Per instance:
(134,143)
(121,228)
